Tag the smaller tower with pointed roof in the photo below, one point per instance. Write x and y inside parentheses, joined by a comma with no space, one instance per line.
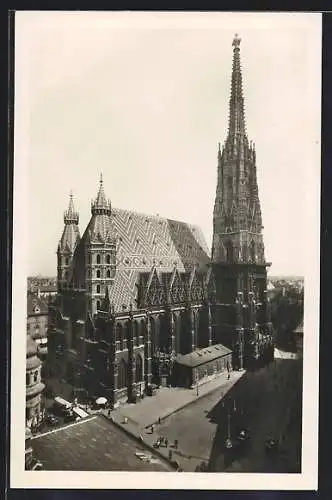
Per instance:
(67,244)
(100,251)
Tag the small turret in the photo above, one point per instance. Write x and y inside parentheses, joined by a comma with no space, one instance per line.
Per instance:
(68,243)
(101,206)
(70,216)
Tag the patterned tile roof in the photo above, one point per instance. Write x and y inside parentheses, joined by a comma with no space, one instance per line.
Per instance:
(143,241)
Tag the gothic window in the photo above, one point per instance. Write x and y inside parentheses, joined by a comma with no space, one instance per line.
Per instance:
(98,273)
(27,379)
(118,337)
(123,375)
(66,275)
(139,368)
(35,376)
(89,259)
(153,334)
(108,274)
(98,288)
(135,333)
(66,261)
(98,305)
(229,252)
(108,259)
(252,251)
(98,259)
(244,253)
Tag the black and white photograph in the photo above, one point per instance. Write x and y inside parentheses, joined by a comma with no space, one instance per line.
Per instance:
(166,228)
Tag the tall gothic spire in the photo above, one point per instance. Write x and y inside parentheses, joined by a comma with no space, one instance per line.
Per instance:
(71,216)
(237,222)
(101,206)
(236,123)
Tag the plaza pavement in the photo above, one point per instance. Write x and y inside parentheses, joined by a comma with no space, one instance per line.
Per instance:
(166,405)
(169,400)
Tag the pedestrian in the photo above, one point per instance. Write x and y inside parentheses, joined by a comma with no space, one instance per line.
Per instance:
(176,442)
(166,442)
(228,376)
(152,429)
(159,420)
(170,454)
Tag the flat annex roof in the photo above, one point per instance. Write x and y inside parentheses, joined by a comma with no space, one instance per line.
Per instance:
(202,356)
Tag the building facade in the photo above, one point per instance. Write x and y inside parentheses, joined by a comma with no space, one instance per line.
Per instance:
(34,408)
(37,322)
(136,291)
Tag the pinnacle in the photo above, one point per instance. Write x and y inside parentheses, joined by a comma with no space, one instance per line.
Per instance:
(101,204)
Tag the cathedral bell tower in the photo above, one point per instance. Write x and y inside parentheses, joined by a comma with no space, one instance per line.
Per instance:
(238,259)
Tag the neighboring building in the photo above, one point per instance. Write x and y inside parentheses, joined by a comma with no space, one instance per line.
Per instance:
(34,408)
(135,291)
(94,444)
(191,369)
(43,287)
(37,322)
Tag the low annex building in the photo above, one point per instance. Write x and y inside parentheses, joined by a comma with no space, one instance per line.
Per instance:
(197,366)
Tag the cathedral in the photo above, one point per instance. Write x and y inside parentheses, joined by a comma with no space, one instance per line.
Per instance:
(141,299)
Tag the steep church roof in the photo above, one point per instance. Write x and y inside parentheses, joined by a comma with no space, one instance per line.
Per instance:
(143,241)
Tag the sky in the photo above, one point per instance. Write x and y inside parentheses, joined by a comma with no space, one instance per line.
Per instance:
(143,99)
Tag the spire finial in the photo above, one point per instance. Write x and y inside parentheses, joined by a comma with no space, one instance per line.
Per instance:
(70,215)
(236,41)
(101,205)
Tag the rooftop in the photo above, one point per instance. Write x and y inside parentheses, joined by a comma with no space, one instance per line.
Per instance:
(36,305)
(92,444)
(202,356)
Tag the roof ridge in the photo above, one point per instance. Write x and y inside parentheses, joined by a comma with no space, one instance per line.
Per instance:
(154,216)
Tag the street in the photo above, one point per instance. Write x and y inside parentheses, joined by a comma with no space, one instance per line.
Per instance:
(267,401)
